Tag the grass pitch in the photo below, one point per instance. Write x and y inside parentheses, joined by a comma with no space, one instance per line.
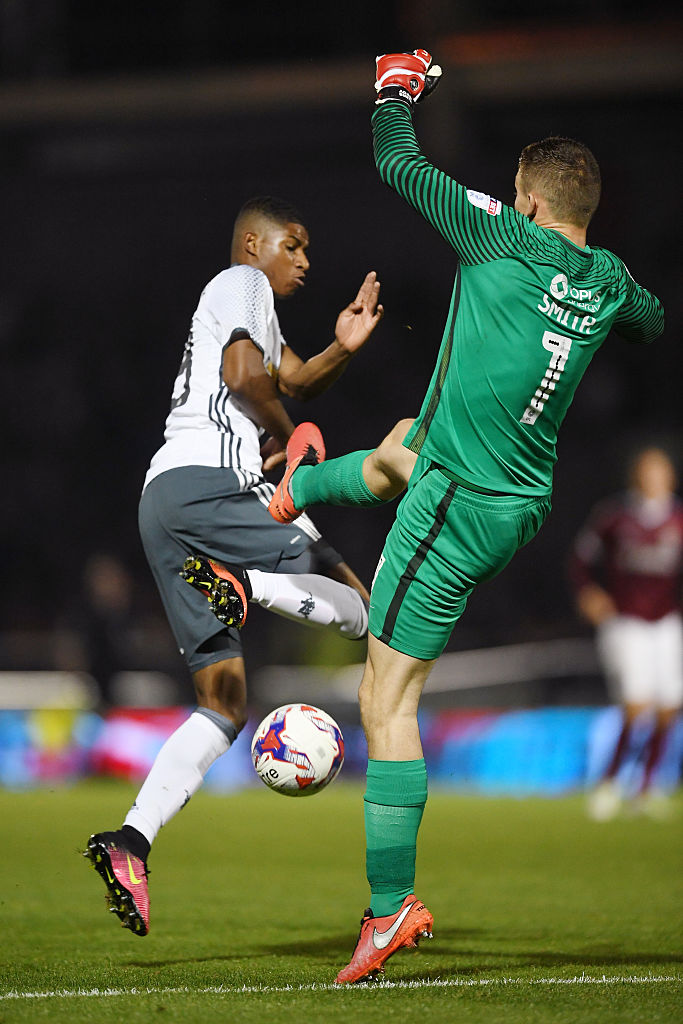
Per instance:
(540,914)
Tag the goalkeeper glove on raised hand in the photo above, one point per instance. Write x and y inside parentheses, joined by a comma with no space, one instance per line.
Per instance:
(406,76)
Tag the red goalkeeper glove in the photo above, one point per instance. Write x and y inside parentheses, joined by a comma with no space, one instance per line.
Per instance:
(406,76)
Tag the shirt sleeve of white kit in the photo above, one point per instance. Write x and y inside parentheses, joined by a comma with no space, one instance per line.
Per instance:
(241,304)
(277,333)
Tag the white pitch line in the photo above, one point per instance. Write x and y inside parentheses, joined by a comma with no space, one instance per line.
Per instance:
(219,990)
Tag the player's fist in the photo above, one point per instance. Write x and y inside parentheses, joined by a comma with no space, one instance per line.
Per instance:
(406,76)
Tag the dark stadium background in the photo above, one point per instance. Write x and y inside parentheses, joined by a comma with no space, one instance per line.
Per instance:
(129,136)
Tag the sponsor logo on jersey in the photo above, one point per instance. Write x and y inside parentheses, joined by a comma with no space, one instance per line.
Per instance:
(559,286)
(484,202)
(582,297)
(570,306)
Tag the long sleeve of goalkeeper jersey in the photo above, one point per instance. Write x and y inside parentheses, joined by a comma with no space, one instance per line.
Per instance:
(641,318)
(475,235)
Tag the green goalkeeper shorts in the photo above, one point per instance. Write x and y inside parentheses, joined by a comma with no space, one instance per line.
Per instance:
(444,541)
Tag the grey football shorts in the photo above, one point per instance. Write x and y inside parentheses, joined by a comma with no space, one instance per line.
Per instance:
(203,510)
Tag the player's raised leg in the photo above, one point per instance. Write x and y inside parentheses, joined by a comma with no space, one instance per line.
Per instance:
(387,470)
(362,478)
(395,798)
(309,598)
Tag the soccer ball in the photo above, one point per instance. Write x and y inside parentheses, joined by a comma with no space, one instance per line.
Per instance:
(297,750)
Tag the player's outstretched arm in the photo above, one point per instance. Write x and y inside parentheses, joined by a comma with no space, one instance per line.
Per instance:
(593,602)
(355,324)
(478,227)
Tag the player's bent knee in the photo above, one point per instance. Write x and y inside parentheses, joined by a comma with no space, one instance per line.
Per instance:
(388,448)
(391,458)
(398,433)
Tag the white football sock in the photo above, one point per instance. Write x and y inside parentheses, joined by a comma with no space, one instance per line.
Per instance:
(316,600)
(178,771)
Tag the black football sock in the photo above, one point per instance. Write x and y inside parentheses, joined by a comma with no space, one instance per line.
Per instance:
(136,842)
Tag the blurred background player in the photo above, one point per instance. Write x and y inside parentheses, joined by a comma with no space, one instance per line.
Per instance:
(205,497)
(97,626)
(531,304)
(627,570)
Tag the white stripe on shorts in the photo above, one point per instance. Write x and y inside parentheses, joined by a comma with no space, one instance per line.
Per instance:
(264,491)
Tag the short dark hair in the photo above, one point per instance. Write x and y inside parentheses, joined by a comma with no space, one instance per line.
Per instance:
(566,174)
(278,210)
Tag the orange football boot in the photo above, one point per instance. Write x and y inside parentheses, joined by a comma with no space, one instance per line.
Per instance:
(380,937)
(305,447)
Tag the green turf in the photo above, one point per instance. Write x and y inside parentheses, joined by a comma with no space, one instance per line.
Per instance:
(262,891)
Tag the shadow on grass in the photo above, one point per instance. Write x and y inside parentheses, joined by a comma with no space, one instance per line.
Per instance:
(326,947)
(452,943)
(446,944)
(329,946)
(486,962)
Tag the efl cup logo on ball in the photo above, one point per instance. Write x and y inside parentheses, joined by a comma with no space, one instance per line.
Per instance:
(297,750)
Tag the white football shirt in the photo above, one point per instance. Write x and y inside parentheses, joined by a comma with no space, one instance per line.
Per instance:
(205,426)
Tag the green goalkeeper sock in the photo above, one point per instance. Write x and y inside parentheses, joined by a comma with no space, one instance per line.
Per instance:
(395,798)
(337,482)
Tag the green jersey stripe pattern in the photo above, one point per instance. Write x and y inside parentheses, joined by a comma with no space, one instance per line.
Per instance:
(434,396)
(529,311)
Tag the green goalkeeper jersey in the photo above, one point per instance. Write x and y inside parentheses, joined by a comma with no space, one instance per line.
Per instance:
(529,309)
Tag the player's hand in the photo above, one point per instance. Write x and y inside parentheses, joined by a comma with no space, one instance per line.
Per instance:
(408,77)
(595,604)
(356,323)
(273,454)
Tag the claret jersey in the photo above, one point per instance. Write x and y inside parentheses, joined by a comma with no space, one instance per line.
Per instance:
(206,426)
(529,310)
(633,547)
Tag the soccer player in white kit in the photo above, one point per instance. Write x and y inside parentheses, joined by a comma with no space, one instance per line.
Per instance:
(627,570)
(205,502)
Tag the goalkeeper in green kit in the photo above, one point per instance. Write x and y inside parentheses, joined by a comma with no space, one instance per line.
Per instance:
(531,304)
